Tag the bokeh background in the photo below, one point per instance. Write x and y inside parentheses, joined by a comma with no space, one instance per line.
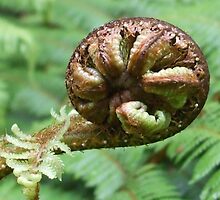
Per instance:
(37,38)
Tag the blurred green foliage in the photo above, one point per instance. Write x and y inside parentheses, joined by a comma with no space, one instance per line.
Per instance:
(37,38)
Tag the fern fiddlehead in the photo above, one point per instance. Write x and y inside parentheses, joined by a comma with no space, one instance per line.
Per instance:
(133,81)
(142,78)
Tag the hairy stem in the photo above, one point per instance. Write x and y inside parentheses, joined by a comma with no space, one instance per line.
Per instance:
(82,135)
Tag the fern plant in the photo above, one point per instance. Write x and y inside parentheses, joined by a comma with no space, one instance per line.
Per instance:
(193,153)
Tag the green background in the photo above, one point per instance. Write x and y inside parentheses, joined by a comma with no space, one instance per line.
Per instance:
(37,38)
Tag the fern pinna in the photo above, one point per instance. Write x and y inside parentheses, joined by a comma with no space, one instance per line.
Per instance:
(35,157)
(200,141)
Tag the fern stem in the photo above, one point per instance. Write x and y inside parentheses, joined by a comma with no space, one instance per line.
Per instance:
(82,135)
(32,193)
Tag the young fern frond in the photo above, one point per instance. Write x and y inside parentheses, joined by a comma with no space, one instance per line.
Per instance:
(21,143)
(19,134)
(36,157)
(52,166)
(18,165)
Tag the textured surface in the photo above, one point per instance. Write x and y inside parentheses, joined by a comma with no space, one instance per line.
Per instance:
(138,59)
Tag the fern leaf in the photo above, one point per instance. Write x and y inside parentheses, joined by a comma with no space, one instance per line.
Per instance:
(136,157)
(207,163)
(57,165)
(24,155)
(19,143)
(97,168)
(19,134)
(212,184)
(198,151)
(176,148)
(59,117)
(51,166)
(56,144)
(111,171)
(19,165)
(47,170)
(151,177)
(188,146)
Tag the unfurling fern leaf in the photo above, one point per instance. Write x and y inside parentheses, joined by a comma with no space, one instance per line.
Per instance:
(35,157)
(51,166)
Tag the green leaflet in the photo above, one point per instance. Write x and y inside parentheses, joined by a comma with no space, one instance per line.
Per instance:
(36,158)
(135,119)
(198,147)
(115,175)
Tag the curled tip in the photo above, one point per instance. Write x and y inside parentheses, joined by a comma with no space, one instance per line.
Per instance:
(136,120)
(155,62)
(15,128)
(28,183)
(63,110)
(59,117)
(53,113)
